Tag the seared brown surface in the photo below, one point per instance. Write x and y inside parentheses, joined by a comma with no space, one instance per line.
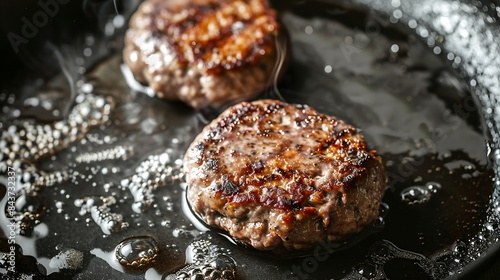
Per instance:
(203,52)
(280,176)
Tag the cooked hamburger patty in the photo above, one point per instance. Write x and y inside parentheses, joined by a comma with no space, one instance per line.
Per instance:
(203,52)
(283,177)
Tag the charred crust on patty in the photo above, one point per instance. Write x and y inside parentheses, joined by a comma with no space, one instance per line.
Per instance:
(208,31)
(306,173)
(204,52)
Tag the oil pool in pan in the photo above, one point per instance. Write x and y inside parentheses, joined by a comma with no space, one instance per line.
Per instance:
(111,205)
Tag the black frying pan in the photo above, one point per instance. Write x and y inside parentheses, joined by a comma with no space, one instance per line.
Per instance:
(358,60)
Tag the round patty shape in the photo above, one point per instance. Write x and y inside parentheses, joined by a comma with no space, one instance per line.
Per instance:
(203,52)
(283,177)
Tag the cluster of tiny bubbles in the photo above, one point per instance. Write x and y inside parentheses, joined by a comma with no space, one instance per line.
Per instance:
(29,140)
(207,261)
(31,178)
(155,171)
(29,205)
(466,251)
(121,152)
(137,252)
(459,251)
(492,226)
(496,206)
(383,252)
(68,259)
(101,214)
(419,194)
(99,139)
(26,141)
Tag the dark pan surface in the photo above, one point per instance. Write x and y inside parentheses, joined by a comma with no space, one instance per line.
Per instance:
(419,80)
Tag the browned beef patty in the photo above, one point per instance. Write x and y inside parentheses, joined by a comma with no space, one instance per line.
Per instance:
(203,52)
(283,177)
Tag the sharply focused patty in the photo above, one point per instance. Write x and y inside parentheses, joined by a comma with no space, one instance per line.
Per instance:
(283,177)
(203,52)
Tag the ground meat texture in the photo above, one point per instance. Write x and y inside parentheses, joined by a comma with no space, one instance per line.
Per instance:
(203,52)
(283,177)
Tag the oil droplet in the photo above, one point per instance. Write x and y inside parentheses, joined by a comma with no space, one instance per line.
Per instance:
(436,50)
(394,48)
(415,195)
(397,14)
(137,252)
(379,223)
(433,187)
(384,209)
(412,23)
(142,185)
